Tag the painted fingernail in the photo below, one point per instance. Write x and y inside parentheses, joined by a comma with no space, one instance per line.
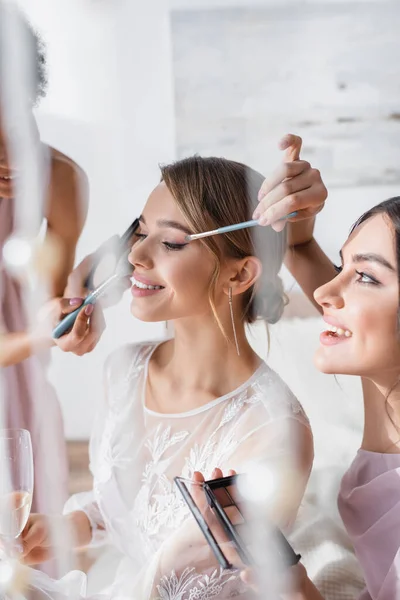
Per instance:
(89,309)
(75,301)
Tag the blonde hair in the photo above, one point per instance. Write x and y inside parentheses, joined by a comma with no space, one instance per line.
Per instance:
(213,192)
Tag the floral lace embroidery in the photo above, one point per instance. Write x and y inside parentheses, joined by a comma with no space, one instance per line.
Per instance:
(279,403)
(192,586)
(159,506)
(235,406)
(164,508)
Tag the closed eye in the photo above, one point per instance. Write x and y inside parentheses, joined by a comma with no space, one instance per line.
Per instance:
(366,279)
(170,246)
(140,236)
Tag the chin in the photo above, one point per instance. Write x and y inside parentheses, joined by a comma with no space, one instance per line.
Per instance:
(147,316)
(326,365)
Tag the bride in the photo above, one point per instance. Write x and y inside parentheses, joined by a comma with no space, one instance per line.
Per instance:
(201,400)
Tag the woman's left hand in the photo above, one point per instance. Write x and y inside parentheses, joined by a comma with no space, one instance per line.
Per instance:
(294,187)
(84,334)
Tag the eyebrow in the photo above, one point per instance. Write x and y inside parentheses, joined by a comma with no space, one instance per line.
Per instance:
(370,257)
(170,224)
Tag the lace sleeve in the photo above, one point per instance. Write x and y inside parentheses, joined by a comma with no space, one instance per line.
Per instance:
(119,368)
(86,503)
(275,434)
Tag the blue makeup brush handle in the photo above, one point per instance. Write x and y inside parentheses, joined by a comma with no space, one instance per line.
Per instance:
(67,322)
(70,319)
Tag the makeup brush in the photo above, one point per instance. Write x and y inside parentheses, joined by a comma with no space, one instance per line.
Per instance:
(228,228)
(124,269)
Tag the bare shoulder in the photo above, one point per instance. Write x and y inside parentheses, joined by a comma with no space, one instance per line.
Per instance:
(65,172)
(68,195)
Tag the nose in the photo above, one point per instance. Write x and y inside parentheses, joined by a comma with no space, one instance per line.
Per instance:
(140,255)
(329,295)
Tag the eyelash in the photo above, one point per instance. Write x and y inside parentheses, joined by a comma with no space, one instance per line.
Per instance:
(361,274)
(170,247)
(372,280)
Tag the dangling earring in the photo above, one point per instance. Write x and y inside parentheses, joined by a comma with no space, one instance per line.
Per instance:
(233,321)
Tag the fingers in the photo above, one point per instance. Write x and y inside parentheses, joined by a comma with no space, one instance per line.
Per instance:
(304,194)
(33,535)
(308,203)
(298,200)
(198,477)
(37,556)
(68,305)
(216,474)
(248,576)
(197,491)
(292,144)
(96,328)
(85,333)
(286,188)
(285,171)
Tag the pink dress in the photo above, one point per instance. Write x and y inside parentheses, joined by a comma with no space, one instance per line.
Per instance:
(369,504)
(28,400)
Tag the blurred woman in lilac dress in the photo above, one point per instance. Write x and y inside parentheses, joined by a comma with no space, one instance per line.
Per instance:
(359,301)
(28,400)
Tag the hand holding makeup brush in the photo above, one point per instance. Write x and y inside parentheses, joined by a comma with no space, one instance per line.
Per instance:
(294,187)
(82,336)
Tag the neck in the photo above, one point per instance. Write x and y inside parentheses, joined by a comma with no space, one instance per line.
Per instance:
(200,357)
(381,417)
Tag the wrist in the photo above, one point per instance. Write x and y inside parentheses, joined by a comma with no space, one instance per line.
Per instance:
(39,340)
(80,528)
(301,232)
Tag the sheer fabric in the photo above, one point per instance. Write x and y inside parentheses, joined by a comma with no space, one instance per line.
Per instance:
(135,455)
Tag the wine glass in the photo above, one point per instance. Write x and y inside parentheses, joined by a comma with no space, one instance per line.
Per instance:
(16,486)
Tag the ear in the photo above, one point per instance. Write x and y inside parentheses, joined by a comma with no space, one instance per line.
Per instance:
(245,274)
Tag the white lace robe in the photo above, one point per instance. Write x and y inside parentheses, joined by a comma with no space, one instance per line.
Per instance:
(135,455)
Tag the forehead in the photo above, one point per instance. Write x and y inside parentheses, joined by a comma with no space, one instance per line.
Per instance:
(162,205)
(374,236)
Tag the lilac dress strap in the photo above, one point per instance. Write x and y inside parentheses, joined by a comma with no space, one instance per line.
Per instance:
(369,504)
(29,401)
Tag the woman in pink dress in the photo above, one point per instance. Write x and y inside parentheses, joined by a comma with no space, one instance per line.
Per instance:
(28,400)
(359,301)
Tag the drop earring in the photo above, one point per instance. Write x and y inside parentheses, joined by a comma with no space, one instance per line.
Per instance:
(233,321)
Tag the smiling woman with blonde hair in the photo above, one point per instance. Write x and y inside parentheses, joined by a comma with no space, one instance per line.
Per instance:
(201,400)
